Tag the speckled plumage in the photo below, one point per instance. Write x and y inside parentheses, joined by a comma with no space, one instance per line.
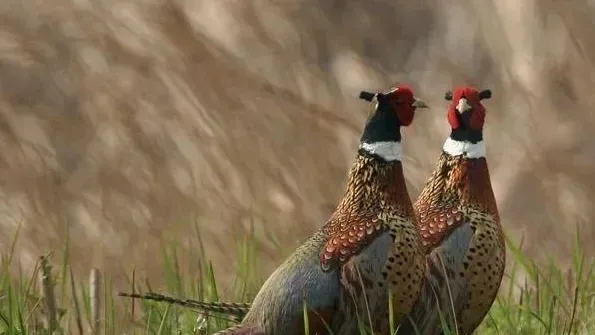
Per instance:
(441,288)
(375,199)
(397,264)
(460,192)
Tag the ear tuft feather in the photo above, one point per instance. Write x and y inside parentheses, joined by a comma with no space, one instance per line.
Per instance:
(485,94)
(366,95)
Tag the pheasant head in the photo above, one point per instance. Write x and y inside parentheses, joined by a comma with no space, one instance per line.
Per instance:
(466,116)
(377,172)
(382,136)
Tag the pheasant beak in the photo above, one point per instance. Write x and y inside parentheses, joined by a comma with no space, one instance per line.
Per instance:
(418,103)
(463,106)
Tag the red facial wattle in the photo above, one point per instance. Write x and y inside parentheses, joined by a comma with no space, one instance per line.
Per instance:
(477,112)
(405,114)
(402,104)
(453,117)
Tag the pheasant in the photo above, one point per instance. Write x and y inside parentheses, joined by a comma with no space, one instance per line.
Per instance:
(369,248)
(459,196)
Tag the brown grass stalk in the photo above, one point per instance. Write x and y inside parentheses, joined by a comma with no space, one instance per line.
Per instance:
(95,297)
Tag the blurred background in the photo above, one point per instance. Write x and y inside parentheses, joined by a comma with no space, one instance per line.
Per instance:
(128,125)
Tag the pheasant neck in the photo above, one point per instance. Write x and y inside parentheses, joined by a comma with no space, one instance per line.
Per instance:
(461,179)
(376,185)
(388,151)
(382,135)
(464,148)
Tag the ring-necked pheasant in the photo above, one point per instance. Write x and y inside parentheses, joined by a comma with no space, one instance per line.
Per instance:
(370,246)
(458,195)
(369,241)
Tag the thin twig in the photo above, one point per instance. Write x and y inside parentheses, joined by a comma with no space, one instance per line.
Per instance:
(47,289)
(574,305)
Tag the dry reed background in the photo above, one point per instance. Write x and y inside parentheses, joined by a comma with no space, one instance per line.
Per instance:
(129,122)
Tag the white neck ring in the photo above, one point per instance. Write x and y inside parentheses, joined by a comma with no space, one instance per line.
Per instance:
(389,150)
(467,149)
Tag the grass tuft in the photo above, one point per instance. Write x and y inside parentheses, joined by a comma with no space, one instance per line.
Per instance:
(534,299)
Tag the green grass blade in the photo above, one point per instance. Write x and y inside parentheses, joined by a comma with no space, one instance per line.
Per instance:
(163,319)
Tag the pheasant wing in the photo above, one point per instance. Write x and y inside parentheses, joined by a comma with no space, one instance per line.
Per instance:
(347,235)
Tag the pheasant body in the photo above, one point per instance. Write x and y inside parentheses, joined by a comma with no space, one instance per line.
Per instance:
(393,262)
(375,225)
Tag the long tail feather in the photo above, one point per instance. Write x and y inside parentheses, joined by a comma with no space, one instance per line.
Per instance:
(236,309)
(242,329)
